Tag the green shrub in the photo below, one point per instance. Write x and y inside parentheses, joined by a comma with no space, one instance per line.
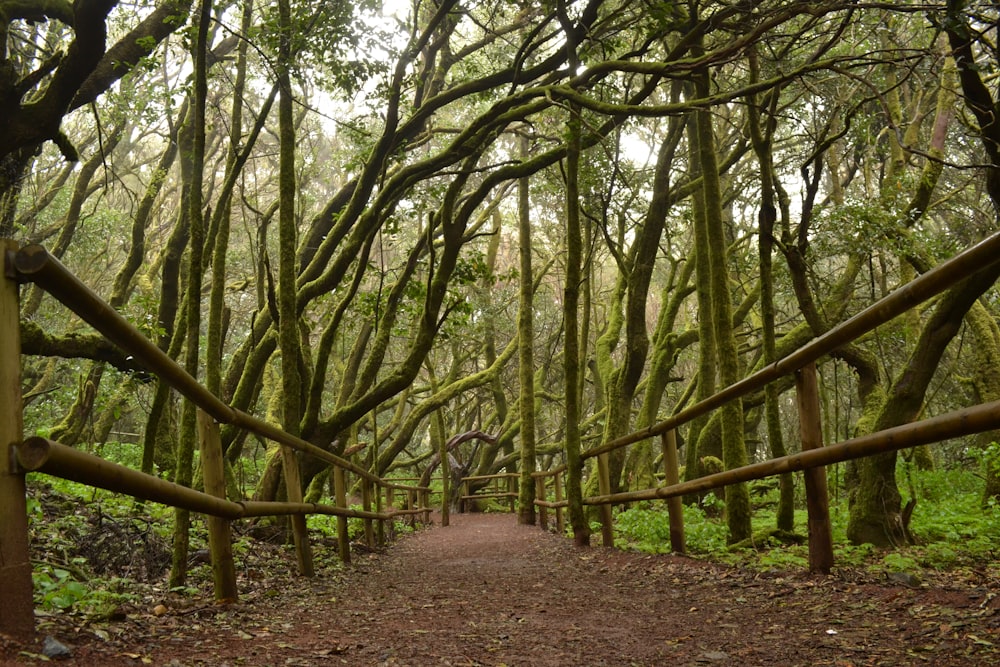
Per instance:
(647,529)
(952,528)
(55,588)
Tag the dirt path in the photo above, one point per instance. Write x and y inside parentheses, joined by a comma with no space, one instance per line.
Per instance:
(486,591)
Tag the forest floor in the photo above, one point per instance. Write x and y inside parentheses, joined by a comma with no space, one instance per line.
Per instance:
(486,591)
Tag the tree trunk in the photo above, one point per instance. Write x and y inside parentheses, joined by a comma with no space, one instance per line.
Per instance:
(571,354)
(184,472)
(876,506)
(706,336)
(525,349)
(767,216)
(734,453)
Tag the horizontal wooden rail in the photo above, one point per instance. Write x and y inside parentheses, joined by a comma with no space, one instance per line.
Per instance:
(983,254)
(499,475)
(985,417)
(35,264)
(253,508)
(41,455)
(499,494)
(405,487)
(53,458)
(552,505)
(396,513)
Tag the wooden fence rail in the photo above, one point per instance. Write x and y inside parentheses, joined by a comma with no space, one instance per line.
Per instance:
(984,254)
(494,489)
(815,455)
(19,455)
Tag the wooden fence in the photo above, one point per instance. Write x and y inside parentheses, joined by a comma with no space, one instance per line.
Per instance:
(501,486)
(36,265)
(21,455)
(814,455)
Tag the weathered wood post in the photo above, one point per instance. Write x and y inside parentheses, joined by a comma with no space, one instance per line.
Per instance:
(389,532)
(512,491)
(560,526)
(380,530)
(220,535)
(604,482)
(464,505)
(411,503)
(445,468)
(671,471)
(817,500)
(340,499)
(293,487)
(17,609)
(425,503)
(366,502)
(543,512)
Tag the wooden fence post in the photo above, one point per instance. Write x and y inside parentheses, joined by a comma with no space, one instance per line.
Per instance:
(671,470)
(512,490)
(560,526)
(817,500)
(293,488)
(604,482)
(543,512)
(220,535)
(340,499)
(366,502)
(425,502)
(17,611)
(389,525)
(380,526)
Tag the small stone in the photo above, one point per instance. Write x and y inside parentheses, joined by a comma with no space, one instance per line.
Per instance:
(712,656)
(53,648)
(905,578)
(160,610)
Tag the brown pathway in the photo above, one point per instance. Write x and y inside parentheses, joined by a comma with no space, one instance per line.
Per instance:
(485,591)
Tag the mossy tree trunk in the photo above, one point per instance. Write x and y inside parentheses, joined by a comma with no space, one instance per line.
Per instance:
(184,471)
(876,512)
(706,382)
(734,453)
(986,383)
(761,133)
(525,349)
(571,353)
(624,382)
(292,377)
(979,101)
(663,357)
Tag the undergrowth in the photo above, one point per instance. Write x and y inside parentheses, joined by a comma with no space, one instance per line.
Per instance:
(95,552)
(952,528)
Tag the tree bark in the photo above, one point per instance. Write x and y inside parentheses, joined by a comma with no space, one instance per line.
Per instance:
(767,216)
(525,349)
(571,353)
(734,453)
(184,472)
